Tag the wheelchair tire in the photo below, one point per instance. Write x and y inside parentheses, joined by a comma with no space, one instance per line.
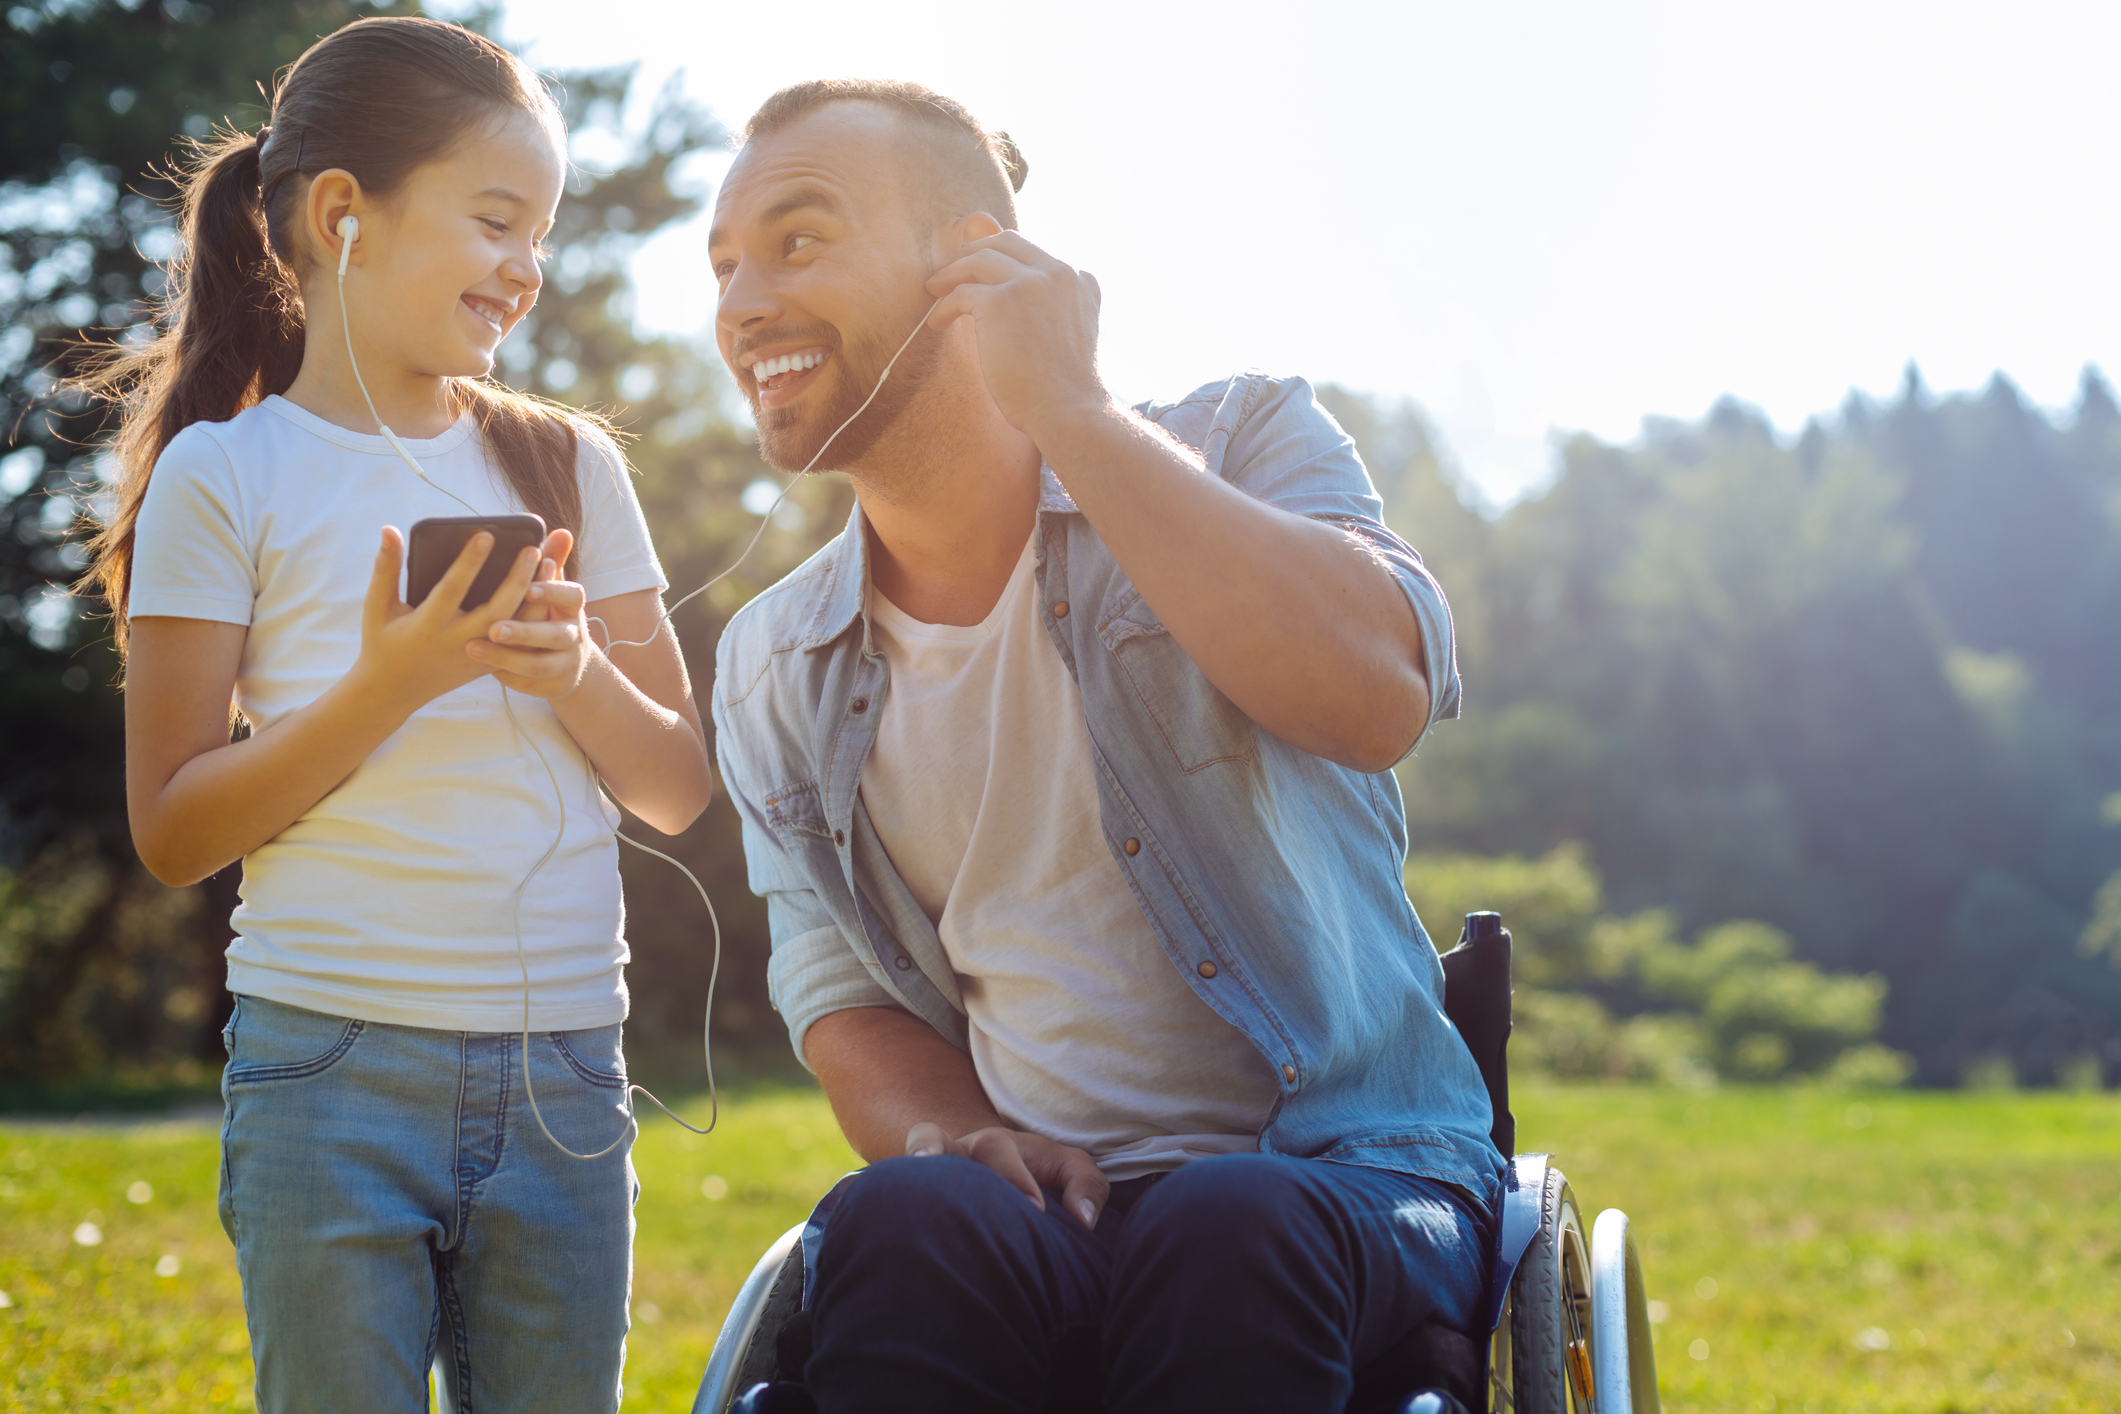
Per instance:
(762,1355)
(737,1342)
(1550,1312)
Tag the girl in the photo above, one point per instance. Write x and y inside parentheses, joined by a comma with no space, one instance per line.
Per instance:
(385,1182)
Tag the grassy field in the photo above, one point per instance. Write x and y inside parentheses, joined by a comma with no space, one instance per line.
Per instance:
(1811,1251)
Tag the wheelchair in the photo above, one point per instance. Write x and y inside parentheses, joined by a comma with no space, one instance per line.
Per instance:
(1566,1328)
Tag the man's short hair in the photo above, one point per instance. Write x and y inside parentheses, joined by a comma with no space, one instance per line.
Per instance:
(961,167)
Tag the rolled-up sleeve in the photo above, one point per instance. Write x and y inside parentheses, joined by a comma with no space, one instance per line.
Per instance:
(813,970)
(1287,450)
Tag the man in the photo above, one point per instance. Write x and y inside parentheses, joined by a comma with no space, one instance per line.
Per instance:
(1065,771)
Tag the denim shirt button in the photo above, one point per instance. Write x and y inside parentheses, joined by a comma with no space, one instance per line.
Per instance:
(1132,846)
(903,963)
(1288,1073)
(839,837)
(1060,610)
(1207,969)
(858,706)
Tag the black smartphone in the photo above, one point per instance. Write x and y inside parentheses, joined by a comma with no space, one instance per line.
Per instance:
(436,543)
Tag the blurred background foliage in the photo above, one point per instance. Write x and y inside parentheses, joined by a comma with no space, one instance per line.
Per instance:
(1860,686)
(1780,759)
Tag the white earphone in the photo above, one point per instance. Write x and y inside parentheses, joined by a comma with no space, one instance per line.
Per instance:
(349,232)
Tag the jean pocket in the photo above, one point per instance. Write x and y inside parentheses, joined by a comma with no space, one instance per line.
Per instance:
(595,1055)
(272,1041)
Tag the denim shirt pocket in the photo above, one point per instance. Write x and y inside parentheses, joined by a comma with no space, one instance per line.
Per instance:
(797,808)
(1201,726)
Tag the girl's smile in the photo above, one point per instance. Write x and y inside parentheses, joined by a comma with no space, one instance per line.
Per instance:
(447,265)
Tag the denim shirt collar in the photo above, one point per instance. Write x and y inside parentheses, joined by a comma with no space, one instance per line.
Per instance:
(844,594)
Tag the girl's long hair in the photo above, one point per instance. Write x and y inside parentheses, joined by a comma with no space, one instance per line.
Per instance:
(377,98)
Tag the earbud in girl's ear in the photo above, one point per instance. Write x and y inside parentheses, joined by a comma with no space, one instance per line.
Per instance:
(349,231)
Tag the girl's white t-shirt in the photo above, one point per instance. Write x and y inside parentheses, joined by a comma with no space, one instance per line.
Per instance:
(391,899)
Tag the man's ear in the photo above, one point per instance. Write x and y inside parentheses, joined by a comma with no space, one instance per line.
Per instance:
(975,226)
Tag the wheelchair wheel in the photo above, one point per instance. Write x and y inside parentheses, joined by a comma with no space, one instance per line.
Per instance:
(1550,1355)
(744,1353)
(1626,1368)
(762,1352)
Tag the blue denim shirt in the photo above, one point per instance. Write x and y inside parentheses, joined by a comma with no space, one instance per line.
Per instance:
(1278,867)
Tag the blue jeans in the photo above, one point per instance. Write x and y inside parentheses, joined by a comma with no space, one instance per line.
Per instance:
(390,1196)
(1236,1283)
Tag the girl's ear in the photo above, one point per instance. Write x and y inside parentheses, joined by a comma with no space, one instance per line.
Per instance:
(333,196)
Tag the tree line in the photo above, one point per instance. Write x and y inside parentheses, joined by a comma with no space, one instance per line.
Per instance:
(1860,685)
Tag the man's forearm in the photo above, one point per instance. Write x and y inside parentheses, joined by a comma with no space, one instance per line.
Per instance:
(885,1071)
(1292,618)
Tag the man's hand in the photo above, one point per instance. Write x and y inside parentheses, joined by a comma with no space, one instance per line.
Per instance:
(1030,1162)
(1037,324)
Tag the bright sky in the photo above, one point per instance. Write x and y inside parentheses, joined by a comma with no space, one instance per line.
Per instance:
(1528,218)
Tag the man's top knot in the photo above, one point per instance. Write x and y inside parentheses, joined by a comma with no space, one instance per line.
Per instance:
(1012,160)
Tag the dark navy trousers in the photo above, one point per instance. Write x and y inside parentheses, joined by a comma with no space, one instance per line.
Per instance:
(1236,1283)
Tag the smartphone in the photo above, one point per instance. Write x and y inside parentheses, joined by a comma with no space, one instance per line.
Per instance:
(436,543)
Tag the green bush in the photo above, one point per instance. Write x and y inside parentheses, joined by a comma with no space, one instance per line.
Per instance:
(1869,1066)
(1734,1004)
(1764,1014)
(1548,904)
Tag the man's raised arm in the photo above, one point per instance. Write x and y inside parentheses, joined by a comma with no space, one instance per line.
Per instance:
(1294,619)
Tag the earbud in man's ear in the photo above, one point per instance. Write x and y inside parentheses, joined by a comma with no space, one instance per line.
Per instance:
(349,231)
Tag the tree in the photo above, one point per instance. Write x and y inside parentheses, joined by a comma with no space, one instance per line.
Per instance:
(1739,670)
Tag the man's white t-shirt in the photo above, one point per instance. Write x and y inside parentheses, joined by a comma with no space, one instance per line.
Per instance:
(391,899)
(982,787)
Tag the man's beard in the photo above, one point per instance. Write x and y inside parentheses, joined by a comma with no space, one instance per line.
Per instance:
(791,438)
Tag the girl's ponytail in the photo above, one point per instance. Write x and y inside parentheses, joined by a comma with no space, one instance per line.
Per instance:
(231,334)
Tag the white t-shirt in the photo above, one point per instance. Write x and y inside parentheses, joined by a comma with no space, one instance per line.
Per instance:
(391,899)
(982,787)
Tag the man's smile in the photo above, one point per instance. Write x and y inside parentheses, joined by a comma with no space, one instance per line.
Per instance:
(784,375)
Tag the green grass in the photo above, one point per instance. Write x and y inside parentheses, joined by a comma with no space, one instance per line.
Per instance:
(1976,1237)
(95,1328)
(1990,1224)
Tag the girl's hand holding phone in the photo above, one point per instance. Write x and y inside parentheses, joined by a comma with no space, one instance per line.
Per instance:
(413,655)
(545,649)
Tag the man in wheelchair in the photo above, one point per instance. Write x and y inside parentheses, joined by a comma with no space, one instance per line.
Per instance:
(1065,771)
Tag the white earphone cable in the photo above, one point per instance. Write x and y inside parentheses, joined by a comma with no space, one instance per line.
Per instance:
(767,518)
(347,231)
(633,1123)
(348,228)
